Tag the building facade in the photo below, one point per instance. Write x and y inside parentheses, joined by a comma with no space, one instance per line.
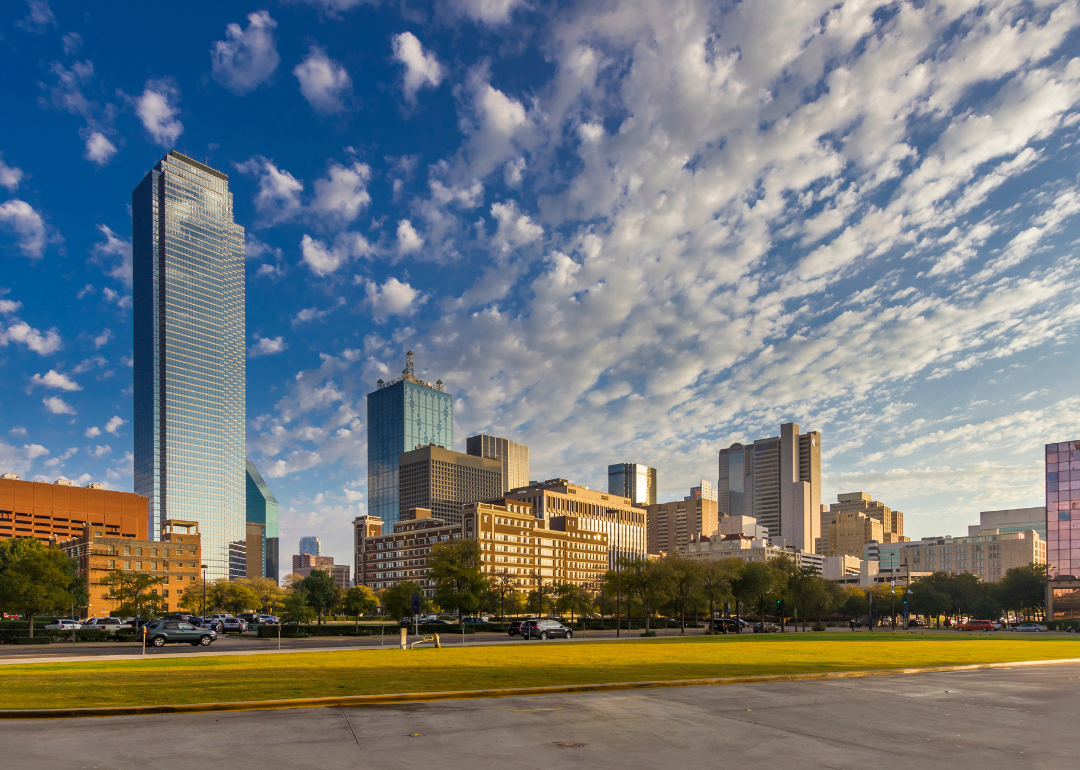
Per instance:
(854,521)
(1012,520)
(704,489)
(776,480)
(441,481)
(738,546)
(262,509)
(1063,509)
(176,558)
(188,354)
(988,555)
(304,564)
(634,481)
(617,517)
(670,526)
(513,456)
(402,415)
(384,560)
(61,510)
(310,545)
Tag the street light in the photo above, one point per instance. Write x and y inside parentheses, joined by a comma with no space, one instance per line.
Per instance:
(204,590)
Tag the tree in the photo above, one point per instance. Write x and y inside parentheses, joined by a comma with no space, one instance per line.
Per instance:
(502,583)
(798,583)
(397,600)
(1022,590)
(573,598)
(235,597)
(269,593)
(927,600)
(755,582)
(817,599)
(515,603)
(321,592)
(459,582)
(357,601)
(854,604)
(291,579)
(34,578)
(684,581)
(135,593)
(295,609)
(716,577)
(647,579)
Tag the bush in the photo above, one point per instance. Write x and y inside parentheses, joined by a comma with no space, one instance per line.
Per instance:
(45,639)
(818,626)
(648,633)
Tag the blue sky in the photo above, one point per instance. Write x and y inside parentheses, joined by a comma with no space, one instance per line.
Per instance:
(618,231)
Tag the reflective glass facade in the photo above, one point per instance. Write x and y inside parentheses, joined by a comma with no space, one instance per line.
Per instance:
(188,259)
(633,480)
(1063,509)
(262,508)
(402,416)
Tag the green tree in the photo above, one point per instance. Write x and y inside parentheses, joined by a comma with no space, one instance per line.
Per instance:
(136,594)
(817,599)
(267,590)
(797,583)
(1022,590)
(295,609)
(459,582)
(34,578)
(502,585)
(755,583)
(397,600)
(236,597)
(926,600)
(321,592)
(716,577)
(358,601)
(573,598)
(647,580)
(683,577)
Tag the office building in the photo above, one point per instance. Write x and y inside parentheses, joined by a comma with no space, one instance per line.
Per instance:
(262,509)
(188,352)
(310,545)
(615,516)
(1012,520)
(738,545)
(703,489)
(513,456)
(255,549)
(441,481)
(1062,501)
(99,556)
(384,560)
(304,564)
(61,510)
(671,525)
(855,521)
(633,481)
(987,555)
(403,415)
(777,480)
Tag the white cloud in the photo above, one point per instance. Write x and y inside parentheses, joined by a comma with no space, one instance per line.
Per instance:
(9,175)
(103,338)
(324,260)
(57,405)
(92,432)
(113,425)
(72,42)
(9,306)
(27,224)
(157,109)
(40,17)
(278,199)
(21,332)
(34,451)
(335,7)
(114,253)
(54,379)
(392,298)
(100,451)
(267,346)
(340,197)
(515,229)
(248,57)
(491,12)
(323,81)
(98,147)
(408,240)
(120,300)
(89,364)
(422,69)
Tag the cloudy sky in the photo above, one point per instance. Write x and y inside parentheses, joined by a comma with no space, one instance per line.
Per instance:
(618,231)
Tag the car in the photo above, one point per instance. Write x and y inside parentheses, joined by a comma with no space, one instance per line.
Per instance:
(975,625)
(112,625)
(731,625)
(770,628)
(915,623)
(1073,630)
(436,622)
(1029,627)
(64,624)
(233,624)
(515,628)
(545,629)
(268,620)
(159,632)
(476,621)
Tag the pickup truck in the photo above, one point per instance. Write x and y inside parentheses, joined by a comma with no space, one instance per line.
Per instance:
(112,625)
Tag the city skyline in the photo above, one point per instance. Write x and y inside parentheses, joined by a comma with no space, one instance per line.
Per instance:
(600,262)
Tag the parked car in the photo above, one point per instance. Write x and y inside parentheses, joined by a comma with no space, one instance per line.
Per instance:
(545,629)
(64,624)
(769,628)
(268,620)
(915,623)
(975,625)
(1029,627)
(158,632)
(731,624)
(1073,629)
(476,621)
(235,625)
(436,622)
(515,628)
(112,625)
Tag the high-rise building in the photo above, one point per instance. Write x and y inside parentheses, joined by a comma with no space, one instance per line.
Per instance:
(60,510)
(441,481)
(513,456)
(1062,501)
(311,545)
(188,351)
(671,526)
(704,489)
(262,508)
(854,521)
(402,415)
(634,481)
(777,480)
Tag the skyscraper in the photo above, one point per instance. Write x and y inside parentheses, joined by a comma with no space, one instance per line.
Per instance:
(513,456)
(262,508)
(1062,501)
(633,480)
(188,350)
(777,480)
(441,481)
(311,545)
(402,415)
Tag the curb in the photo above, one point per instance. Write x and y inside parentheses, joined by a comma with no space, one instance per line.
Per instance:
(416,697)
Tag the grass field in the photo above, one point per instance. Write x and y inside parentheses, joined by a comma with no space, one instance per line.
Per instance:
(529,664)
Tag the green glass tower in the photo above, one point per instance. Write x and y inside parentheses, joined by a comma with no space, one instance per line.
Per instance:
(262,508)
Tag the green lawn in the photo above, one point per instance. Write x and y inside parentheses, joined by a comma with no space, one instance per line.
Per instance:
(302,675)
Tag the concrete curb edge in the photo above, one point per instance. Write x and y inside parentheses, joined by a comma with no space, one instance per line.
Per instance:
(417,697)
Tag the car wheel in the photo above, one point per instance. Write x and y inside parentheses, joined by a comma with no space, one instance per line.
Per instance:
(205,641)
(543,635)
(569,634)
(159,641)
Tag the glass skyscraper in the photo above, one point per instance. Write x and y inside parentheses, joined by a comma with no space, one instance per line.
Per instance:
(402,415)
(633,480)
(188,258)
(262,508)
(1063,509)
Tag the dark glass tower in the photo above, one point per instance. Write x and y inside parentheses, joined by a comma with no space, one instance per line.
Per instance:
(188,259)
(402,415)
(262,508)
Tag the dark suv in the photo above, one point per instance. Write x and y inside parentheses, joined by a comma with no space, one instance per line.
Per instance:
(158,632)
(544,629)
(515,628)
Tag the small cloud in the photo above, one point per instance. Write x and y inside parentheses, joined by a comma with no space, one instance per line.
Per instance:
(120,300)
(99,149)
(72,43)
(113,425)
(27,224)
(392,298)
(57,405)
(491,12)
(408,240)
(88,364)
(247,57)
(39,19)
(422,70)
(34,451)
(266,346)
(21,332)
(10,177)
(92,432)
(100,451)
(54,379)
(323,81)
(157,109)
(8,306)
(102,338)
(85,290)
(17,431)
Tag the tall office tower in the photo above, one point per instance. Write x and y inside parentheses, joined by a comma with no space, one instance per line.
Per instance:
(188,265)
(854,521)
(441,481)
(703,491)
(513,456)
(670,527)
(1062,501)
(310,545)
(402,415)
(633,480)
(262,508)
(777,480)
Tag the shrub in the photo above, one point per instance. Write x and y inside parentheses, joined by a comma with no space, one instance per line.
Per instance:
(818,626)
(45,639)
(648,633)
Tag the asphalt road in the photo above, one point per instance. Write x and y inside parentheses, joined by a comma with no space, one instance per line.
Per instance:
(1021,718)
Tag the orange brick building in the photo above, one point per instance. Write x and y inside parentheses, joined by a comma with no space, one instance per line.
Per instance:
(60,511)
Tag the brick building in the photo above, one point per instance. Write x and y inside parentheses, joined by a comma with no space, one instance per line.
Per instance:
(61,510)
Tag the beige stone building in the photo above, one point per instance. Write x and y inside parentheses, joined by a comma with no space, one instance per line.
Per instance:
(623,522)
(671,525)
(441,481)
(304,564)
(988,555)
(740,537)
(854,521)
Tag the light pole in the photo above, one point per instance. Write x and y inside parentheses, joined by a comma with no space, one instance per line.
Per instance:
(204,591)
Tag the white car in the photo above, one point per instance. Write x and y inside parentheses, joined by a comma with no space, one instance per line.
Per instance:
(64,624)
(112,625)
(1032,627)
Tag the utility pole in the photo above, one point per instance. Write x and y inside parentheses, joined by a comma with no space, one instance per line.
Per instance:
(204,592)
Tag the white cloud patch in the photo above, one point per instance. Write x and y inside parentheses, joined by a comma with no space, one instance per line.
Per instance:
(103,339)
(42,343)
(408,240)
(158,108)
(267,346)
(278,199)
(92,432)
(422,69)
(55,379)
(10,176)
(323,81)
(33,451)
(57,405)
(324,259)
(113,425)
(99,149)
(393,298)
(40,17)
(492,12)
(114,254)
(20,218)
(248,57)
(343,194)
(72,42)
(100,451)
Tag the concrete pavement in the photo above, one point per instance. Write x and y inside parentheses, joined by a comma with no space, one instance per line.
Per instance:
(1000,718)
